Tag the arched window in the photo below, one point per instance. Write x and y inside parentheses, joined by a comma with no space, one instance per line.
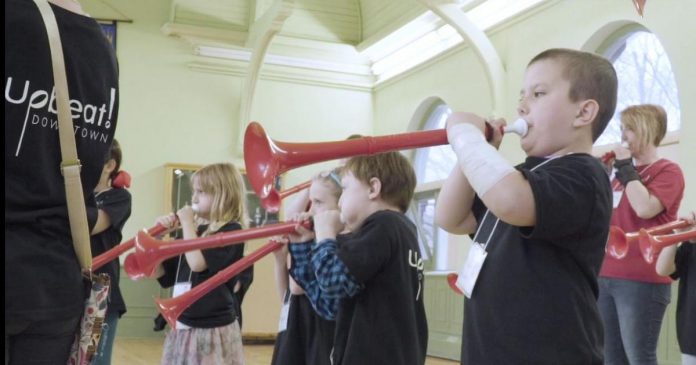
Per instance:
(432,165)
(645,77)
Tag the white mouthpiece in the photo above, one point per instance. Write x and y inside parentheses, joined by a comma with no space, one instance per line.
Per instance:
(518,127)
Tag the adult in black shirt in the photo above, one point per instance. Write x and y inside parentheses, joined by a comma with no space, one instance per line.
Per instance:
(44,289)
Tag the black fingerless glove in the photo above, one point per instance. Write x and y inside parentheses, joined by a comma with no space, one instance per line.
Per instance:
(625,171)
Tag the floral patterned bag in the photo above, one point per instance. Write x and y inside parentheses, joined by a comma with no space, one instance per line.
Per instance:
(87,338)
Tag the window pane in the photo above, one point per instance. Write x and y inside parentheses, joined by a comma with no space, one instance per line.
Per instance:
(645,77)
(435,163)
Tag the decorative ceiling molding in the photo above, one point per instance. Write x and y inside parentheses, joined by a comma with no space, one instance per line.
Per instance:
(452,13)
(196,34)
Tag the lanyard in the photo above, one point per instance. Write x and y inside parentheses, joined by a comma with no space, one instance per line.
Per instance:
(497,220)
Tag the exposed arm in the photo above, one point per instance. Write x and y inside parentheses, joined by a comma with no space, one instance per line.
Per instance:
(280,269)
(194,259)
(453,208)
(504,190)
(665,262)
(103,222)
(643,203)
(512,200)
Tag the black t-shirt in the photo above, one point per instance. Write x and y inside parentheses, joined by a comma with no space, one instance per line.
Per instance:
(42,275)
(307,339)
(686,303)
(219,307)
(116,203)
(535,298)
(385,322)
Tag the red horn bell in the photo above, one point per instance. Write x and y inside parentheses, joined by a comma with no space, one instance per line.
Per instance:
(117,251)
(651,244)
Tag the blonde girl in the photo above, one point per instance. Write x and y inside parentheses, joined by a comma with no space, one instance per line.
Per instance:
(304,338)
(208,332)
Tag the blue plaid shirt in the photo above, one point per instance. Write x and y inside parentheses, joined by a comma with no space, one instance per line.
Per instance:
(322,275)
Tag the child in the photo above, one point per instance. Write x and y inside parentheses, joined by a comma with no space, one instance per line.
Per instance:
(542,226)
(304,337)
(371,281)
(208,331)
(679,262)
(114,204)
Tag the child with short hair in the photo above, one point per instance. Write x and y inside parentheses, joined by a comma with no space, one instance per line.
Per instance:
(541,227)
(208,332)
(371,279)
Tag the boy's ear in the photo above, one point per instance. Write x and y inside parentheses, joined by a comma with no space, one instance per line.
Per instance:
(587,113)
(375,188)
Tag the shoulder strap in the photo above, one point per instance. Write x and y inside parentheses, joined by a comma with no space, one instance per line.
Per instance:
(70,165)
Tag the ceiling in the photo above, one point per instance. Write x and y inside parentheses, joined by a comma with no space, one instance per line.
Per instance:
(348,43)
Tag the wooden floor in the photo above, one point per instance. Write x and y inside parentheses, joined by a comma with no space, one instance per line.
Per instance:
(129,351)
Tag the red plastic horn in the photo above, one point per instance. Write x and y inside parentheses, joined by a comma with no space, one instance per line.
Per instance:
(117,251)
(651,244)
(122,180)
(452,281)
(618,243)
(172,308)
(149,252)
(607,157)
(272,202)
(266,159)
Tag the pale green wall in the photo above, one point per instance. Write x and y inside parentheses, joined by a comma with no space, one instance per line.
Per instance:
(171,113)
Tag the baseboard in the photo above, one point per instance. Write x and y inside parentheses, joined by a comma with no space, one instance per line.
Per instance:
(258,338)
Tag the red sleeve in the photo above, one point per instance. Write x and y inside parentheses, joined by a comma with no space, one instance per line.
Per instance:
(667,185)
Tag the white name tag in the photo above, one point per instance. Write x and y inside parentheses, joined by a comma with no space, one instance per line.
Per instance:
(181,288)
(617,197)
(283,321)
(471,269)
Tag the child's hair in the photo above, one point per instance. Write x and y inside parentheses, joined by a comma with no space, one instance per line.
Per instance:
(591,77)
(332,180)
(226,186)
(114,154)
(394,172)
(648,121)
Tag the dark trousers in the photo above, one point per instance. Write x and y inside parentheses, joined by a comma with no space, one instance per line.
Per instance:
(44,342)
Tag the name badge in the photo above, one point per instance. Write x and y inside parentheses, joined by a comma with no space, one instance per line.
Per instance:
(617,197)
(283,321)
(181,288)
(471,269)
